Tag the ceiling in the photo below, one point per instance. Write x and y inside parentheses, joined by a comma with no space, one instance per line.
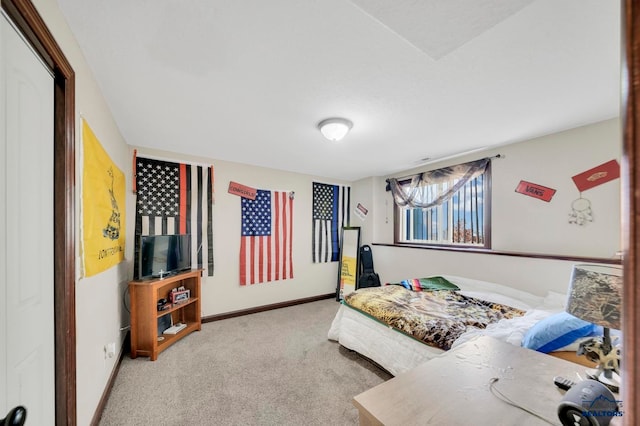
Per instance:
(248,80)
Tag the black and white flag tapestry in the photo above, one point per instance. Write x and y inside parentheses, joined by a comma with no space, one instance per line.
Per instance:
(175,198)
(331,211)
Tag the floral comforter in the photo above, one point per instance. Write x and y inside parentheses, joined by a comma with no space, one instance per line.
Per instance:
(436,318)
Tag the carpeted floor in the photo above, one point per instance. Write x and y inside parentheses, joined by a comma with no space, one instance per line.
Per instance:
(270,368)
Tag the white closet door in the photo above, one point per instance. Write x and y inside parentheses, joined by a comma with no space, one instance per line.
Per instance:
(27,363)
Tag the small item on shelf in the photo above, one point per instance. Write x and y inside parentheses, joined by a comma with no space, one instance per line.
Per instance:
(174,329)
(178,296)
(163,304)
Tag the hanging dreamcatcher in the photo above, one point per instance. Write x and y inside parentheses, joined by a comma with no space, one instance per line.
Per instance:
(581,212)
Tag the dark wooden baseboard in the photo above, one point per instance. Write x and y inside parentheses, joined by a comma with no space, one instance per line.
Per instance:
(126,347)
(218,317)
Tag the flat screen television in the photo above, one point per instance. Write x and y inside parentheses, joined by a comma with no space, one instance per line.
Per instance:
(163,255)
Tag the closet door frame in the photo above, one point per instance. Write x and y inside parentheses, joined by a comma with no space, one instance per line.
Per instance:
(26,18)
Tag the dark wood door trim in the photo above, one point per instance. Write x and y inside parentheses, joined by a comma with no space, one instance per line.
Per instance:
(26,18)
(631,209)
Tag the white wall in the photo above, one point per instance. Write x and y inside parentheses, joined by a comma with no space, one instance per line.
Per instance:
(536,276)
(363,192)
(99,309)
(522,223)
(223,293)
(519,223)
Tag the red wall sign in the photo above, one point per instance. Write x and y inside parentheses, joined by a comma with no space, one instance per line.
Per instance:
(236,188)
(597,176)
(536,191)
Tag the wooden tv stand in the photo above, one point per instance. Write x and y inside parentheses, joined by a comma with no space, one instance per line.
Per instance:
(144,296)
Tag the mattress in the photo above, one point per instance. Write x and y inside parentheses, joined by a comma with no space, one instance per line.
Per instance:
(389,348)
(435,317)
(396,352)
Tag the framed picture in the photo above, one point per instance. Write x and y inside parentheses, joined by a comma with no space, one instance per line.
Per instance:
(179,296)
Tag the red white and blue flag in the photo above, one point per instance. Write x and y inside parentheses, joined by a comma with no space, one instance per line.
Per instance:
(331,211)
(266,242)
(174,198)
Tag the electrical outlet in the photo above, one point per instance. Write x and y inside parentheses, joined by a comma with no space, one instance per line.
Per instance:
(110,350)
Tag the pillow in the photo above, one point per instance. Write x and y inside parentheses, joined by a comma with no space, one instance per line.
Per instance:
(616,339)
(497,298)
(430,283)
(554,301)
(555,332)
(486,286)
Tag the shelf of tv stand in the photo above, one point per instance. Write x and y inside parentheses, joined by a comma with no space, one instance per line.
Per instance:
(176,306)
(169,339)
(144,296)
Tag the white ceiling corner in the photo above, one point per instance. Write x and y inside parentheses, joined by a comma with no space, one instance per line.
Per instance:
(439,27)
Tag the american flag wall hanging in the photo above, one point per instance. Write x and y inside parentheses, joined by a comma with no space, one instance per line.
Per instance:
(175,198)
(266,242)
(331,206)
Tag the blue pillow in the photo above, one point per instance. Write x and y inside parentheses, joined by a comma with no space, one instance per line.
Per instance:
(555,332)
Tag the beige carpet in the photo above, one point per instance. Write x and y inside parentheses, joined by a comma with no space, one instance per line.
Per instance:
(270,368)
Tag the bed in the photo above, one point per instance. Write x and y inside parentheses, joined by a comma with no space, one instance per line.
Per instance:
(401,325)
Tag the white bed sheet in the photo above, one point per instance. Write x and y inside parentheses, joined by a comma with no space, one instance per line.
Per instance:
(397,352)
(389,348)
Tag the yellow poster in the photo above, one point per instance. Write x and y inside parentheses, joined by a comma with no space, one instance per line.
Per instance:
(103,207)
(348,274)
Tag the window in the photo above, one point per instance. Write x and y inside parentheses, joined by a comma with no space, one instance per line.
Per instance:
(449,206)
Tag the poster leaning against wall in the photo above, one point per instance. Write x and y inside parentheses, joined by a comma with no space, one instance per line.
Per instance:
(348,272)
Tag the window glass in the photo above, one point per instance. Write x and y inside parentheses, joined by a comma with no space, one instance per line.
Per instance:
(462,220)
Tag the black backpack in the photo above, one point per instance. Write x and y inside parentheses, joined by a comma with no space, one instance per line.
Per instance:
(368,277)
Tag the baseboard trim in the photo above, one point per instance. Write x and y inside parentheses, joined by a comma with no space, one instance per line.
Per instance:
(112,378)
(239,313)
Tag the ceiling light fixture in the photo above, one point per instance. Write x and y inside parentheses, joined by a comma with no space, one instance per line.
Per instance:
(335,129)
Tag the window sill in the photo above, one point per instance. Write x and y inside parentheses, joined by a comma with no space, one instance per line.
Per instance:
(613,261)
